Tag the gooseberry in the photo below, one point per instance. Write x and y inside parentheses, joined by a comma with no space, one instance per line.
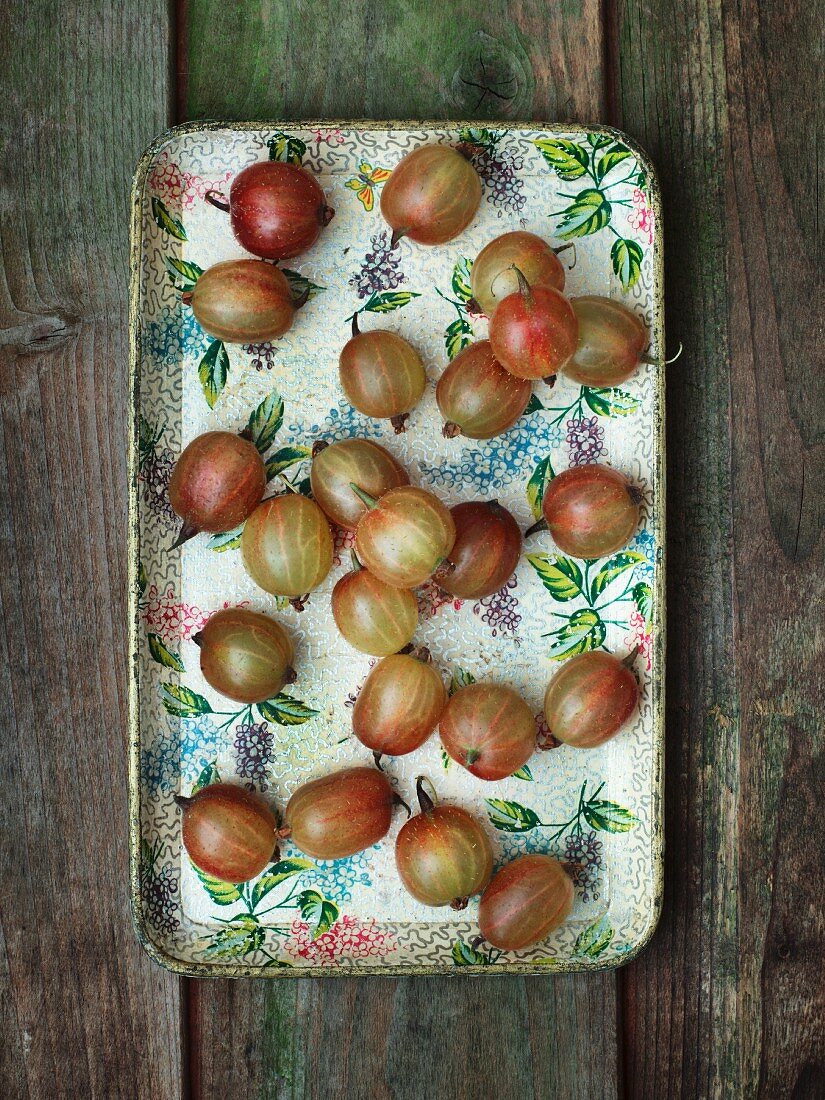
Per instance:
(404,535)
(431,196)
(443,854)
(493,278)
(216,483)
(340,814)
(228,832)
(524,902)
(381,374)
(400,703)
(335,466)
(244,655)
(485,553)
(590,511)
(590,698)
(477,397)
(373,616)
(611,341)
(534,331)
(488,729)
(243,302)
(286,545)
(276,209)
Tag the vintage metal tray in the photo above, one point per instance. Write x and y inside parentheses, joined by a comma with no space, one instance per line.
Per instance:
(600,809)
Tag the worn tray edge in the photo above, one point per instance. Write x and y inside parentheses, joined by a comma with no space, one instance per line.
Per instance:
(184,967)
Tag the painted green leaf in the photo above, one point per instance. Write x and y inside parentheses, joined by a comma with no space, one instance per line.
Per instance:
(227,540)
(582,632)
(560,576)
(389,300)
(285,710)
(279,964)
(626,256)
(537,485)
(317,910)
(265,422)
(524,773)
(147,856)
(511,817)
(643,598)
(237,939)
(613,568)
(278,873)
(609,816)
(461,279)
(598,141)
(182,702)
(588,213)
(533,405)
(286,148)
(610,402)
(182,274)
(164,656)
(445,759)
(457,336)
(459,679)
(464,954)
(209,775)
(473,135)
(567,159)
(304,487)
(283,458)
(213,372)
(300,284)
(608,161)
(593,940)
(222,893)
(141,579)
(165,221)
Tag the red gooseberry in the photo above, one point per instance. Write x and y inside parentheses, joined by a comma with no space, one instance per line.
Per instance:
(493,276)
(340,814)
(228,832)
(524,902)
(534,331)
(590,511)
(244,655)
(286,545)
(488,729)
(591,698)
(404,535)
(611,341)
(243,302)
(477,397)
(336,466)
(431,196)
(373,616)
(485,553)
(381,374)
(400,703)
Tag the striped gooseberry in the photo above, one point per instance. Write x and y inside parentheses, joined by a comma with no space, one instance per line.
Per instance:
(477,397)
(431,196)
(216,483)
(590,511)
(404,535)
(245,655)
(228,832)
(335,466)
(591,698)
(443,854)
(485,553)
(243,302)
(399,704)
(488,729)
(381,374)
(610,345)
(286,545)
(373,616)
(340,814)
(525,901)
(534,331)
(492,277)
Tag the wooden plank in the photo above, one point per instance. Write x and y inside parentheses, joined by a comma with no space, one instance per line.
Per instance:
(728,999)
(388,1038)
(85,1013)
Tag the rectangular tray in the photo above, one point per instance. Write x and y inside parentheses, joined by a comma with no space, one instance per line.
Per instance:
(595,188)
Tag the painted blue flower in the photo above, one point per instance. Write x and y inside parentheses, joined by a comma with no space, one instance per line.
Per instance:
(497,461)
(197,739)
(173,335)
(644,543)
(341,422)
(159,765)
(337,878)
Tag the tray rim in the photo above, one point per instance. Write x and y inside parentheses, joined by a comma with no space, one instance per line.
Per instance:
(185,967)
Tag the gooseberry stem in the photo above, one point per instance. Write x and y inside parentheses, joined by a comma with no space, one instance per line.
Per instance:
(450,430)
(216,199)
(399,422)
(459,903)
(302,298)
(370,502)
(631,657)
(182,801)
(187,532)
(356,331)
(426,801)
(541,525)
(186,297)
(198,638)
(523,285)
(318,446)
(246,433)
(549,380)
(356,564)
(326,214)
(563,248)
(471,756)
(397,234)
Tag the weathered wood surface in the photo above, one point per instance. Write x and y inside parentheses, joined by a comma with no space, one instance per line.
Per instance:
(728,999)
(84,1012)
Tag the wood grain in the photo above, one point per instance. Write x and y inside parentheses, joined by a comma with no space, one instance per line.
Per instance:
(728,999)
(386,1038)
(84,1012)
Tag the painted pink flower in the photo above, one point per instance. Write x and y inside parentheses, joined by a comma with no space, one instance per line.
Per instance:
(343,540)
(348,938)
(544,738)
(640,636)
(431,599)
(173,619)
(642,216)
(196,187)
(329,136)
(181,189)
